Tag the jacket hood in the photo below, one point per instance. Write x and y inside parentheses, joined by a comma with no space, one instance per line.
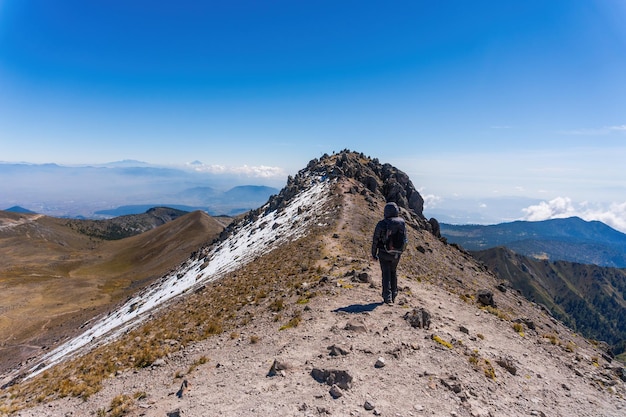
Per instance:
(391,210)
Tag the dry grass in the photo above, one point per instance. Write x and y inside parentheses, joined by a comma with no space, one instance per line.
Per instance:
(496,312)
(554,339)
(273,282)
(441,341)
(293,322)
(120,406)
(482,365)
(519,328)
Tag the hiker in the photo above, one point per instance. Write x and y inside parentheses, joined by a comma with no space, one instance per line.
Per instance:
(388,243)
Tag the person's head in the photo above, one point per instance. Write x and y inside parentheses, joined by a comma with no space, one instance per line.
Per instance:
(391,210)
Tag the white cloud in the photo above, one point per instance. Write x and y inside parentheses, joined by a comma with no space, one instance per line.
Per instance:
(614,216)
(261,171)
(430,200)
(596,131)
(561,207)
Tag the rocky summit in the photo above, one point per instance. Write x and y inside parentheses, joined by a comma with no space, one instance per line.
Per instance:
(283,315)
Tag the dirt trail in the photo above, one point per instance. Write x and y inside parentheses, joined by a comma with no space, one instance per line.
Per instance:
(420,377)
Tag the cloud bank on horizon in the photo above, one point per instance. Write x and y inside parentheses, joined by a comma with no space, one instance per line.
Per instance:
(260,171)
(562,207)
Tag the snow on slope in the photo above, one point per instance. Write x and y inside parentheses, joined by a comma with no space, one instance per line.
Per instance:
(264,234)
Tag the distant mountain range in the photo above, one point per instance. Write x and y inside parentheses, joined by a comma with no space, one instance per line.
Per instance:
(571,239)
(235,201)
(18,209)
(570,266)
(126,187)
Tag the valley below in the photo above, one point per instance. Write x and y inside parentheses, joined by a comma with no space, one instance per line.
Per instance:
(54,280)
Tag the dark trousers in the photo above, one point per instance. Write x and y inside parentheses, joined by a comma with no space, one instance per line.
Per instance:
(388,266)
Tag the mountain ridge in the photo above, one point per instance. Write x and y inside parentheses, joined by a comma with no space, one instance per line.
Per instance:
(295,279)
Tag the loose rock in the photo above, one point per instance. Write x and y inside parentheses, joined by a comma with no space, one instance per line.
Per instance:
(335,391)
(337,350)
(333,377)
(380,363)
(418,318)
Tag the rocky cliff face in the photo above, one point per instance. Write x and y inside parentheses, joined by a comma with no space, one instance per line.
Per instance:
(380,180)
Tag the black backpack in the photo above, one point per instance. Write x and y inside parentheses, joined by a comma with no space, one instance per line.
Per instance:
(394,238)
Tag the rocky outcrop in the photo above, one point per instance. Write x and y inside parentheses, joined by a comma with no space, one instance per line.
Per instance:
(385,179)
(377,179)
(485,297)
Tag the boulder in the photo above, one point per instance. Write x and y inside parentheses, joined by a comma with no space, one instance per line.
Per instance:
(278,368)
(333,377)
(418,318)
(485,297)
(357,326)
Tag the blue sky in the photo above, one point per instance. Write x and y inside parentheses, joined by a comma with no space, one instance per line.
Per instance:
(475,100)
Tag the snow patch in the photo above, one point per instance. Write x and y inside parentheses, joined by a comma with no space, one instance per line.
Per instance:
(251,240)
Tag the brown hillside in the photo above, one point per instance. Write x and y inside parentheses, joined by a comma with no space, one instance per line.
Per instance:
(312,307)
(54,278)
(589,298)
(126,226)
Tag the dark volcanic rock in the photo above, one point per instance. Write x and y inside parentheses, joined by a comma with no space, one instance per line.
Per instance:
(418,318)
(333,377)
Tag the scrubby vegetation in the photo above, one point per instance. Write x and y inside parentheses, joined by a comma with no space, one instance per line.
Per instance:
(272,281)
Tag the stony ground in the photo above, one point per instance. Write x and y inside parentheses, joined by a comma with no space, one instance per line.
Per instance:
(351,355)
(396,370)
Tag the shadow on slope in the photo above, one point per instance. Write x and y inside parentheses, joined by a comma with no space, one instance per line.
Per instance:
(358,308)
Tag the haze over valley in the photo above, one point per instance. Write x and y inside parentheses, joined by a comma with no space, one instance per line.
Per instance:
(129,187)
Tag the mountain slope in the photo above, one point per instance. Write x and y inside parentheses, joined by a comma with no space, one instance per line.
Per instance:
(54,278)
(571,239)
(293,282)
(126,225)
(591,299)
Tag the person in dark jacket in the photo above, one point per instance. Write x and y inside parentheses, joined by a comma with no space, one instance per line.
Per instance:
(388,261)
